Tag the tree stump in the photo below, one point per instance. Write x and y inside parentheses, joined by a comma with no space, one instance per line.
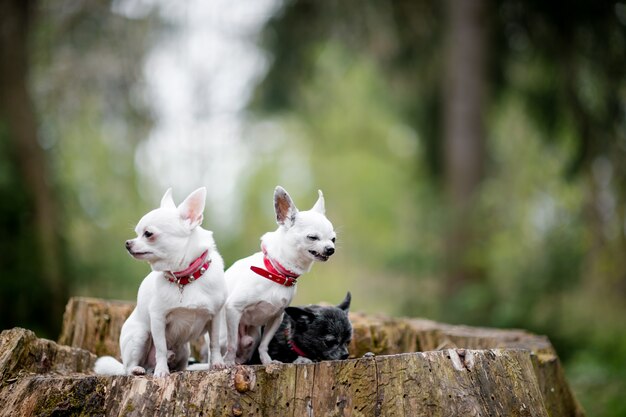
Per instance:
(21,352)
(94,324)
(462,371)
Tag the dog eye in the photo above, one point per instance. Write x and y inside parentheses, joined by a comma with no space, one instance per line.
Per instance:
(333,239)
(330,341)
(313,237)
(147,234)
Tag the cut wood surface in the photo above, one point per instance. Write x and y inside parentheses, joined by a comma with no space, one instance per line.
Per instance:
(420,368)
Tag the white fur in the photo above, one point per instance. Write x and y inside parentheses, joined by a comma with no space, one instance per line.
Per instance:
(108,365)
(157,333)
(254,301)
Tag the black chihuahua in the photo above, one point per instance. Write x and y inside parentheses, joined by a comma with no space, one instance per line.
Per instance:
(311,334)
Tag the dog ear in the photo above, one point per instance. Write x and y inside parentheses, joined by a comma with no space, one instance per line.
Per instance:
(283,206)
(300,315)
(345,304)
(191,209)
(167,201)
(319,205)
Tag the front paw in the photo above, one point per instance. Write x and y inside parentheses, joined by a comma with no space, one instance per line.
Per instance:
(218,363)
(218,366)
(137,371)
(302,359)
(266,360)
(161,372)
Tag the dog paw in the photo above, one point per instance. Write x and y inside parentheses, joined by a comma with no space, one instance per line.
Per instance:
(161,373)
(218,363)
(266,359)
(218,366)
(271,362)
(302,359)
(137,371)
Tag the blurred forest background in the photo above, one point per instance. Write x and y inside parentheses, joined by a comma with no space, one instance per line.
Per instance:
(472,154)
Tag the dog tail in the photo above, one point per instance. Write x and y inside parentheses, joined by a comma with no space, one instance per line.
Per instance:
(108,365)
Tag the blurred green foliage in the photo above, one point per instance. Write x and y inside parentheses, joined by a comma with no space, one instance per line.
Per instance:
(351,105)
(86,68)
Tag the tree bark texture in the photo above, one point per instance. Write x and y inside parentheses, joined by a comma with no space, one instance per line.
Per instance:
(450,382)
(22,353)
(457,370)
(94,324)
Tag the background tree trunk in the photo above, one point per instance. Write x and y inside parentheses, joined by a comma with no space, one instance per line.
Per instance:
(464,131)
(18,114)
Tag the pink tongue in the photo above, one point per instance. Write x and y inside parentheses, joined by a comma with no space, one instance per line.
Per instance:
(193,266)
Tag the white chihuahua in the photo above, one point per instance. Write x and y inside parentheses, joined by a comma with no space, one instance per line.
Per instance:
(262,285)
(173,308)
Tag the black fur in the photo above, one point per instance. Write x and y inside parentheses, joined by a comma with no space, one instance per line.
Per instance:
(320,332)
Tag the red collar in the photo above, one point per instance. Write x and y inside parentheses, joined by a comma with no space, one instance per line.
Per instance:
(275,271)
(194,271)
(274,266)
(292,344)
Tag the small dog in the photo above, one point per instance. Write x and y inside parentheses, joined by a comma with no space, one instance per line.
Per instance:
(311,334)
(262,285)
(173,308)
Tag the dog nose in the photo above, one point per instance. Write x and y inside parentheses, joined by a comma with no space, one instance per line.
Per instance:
(129,244)
(329,250)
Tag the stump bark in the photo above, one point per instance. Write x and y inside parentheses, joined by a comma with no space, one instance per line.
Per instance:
(421,368)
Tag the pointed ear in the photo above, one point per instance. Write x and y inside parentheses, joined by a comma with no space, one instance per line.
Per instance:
(345,304)
(167,201)
(191,209)
(319,204)
(283,206)
(300,315)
